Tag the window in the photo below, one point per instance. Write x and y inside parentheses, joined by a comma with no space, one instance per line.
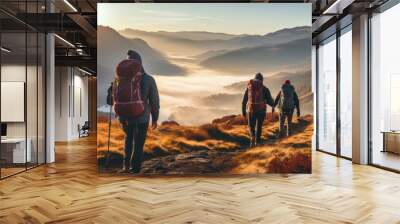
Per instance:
(394,102)
(346,92)
(327,95)
(385,89)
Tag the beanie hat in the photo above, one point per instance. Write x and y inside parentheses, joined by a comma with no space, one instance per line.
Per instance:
(259,76)
(134,55)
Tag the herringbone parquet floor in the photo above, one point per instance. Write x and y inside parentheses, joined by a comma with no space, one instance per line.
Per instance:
(71,191)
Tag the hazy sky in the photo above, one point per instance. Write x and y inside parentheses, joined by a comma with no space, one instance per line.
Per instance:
(234,18)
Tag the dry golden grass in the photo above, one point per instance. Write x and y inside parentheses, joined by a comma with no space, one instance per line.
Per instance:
(220,145)
(287,155)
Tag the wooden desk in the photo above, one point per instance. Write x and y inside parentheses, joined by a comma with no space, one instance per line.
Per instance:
(391,141)
(13,150)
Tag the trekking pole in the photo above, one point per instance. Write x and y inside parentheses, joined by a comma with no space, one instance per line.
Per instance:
(109,130)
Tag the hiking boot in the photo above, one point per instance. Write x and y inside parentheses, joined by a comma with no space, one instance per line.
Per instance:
(123,170)
(134,171)
(259,142)
(252,142)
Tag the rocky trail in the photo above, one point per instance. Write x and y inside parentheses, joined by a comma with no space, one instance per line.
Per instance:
(221,147)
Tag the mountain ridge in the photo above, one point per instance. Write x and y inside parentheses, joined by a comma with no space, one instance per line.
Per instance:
(289,55)
(171,41)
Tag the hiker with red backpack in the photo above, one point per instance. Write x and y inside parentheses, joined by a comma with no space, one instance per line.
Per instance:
(254,107)
(287,100)
(135,97)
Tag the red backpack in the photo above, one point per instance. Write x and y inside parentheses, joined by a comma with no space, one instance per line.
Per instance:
(255,101)
(127,89)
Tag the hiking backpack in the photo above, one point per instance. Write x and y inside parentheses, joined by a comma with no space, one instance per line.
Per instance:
(255,100)
(287,97)
(127,96)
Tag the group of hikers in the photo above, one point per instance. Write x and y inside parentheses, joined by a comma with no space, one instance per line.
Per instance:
(254,107)
(134,97)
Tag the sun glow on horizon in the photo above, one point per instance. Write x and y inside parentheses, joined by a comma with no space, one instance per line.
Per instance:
(228,18)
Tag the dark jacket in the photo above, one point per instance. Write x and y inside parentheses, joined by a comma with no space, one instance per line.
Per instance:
(295,98)
(267,99)
(151,98)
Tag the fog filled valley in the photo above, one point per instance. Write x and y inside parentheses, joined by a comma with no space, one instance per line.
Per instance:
(201,75)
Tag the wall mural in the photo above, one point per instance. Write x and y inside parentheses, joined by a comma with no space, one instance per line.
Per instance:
(204,88)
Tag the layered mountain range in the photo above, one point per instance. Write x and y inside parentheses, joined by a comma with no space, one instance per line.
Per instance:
(281,55)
